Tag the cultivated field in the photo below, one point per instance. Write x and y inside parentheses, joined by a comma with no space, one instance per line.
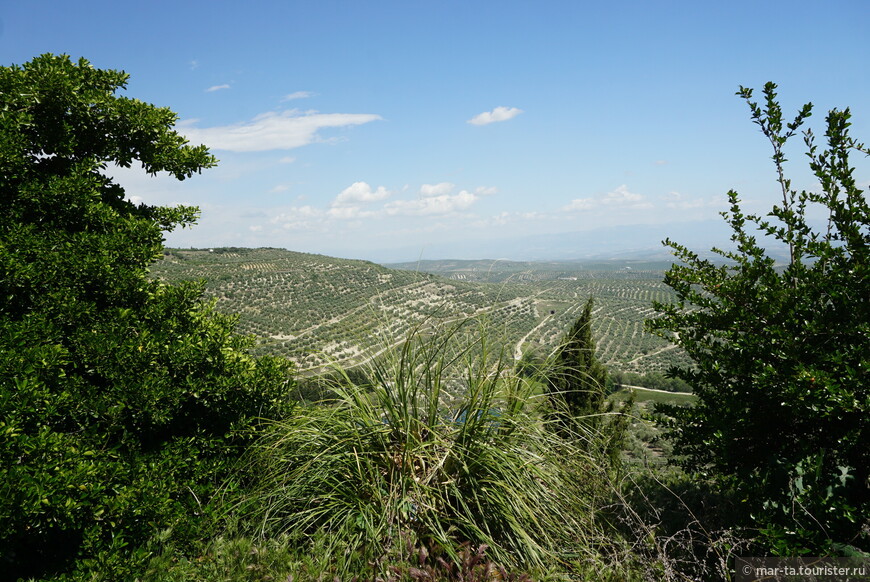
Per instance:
(316,309)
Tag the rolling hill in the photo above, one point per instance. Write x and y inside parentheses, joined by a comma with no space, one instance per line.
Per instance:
(315,309)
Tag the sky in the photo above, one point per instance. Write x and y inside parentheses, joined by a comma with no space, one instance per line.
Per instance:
(398,130)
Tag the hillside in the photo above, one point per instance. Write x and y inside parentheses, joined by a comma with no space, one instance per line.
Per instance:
(316,309)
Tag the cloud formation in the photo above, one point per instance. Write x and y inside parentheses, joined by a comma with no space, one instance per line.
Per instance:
(282,130)
(298,95)
(579,204)
(360,192)
(214,88)
(299,218)
(360,202)
(620,197)
(678,201)
(497,114)
(348,204)
(430,190)
(436,204)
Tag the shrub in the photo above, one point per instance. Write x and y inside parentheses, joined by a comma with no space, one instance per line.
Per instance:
(439,447)
(781,361)
(121,398)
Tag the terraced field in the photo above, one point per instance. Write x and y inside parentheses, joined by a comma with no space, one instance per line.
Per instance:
(316,310)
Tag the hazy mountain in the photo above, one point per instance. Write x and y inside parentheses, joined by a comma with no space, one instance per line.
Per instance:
(633,242)
(636,242)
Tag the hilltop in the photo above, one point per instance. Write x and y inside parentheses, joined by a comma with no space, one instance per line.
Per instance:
(316,309)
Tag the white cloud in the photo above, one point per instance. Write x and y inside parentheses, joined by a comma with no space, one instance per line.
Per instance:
(214,88)
(678,201)
(440,204)
(279,188)
(687,204)
(299,218)
(505,218)
(344,212)
(297,212)
(360,192)
(298,95)
(271,131)
(486,190)
(497,114)
(349,212)
(287,160)
(580,204)
(623,198)
(429,190)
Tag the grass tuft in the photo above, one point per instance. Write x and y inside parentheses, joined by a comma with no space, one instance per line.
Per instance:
(438,443)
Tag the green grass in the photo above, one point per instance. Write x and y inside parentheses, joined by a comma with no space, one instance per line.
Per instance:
(655,396)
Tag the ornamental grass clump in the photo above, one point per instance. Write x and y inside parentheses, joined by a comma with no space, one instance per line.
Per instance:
(440,444)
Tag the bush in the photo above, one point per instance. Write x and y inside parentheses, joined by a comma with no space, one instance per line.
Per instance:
(123,401)
(444,445)
(780,351)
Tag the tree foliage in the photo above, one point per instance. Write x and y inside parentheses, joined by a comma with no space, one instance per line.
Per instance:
(121,398)
(577,384)
(781,352)
(578,379)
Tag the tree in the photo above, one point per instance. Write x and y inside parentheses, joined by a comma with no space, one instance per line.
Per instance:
(781,352)
(577,384)
(123,400)
(577,381)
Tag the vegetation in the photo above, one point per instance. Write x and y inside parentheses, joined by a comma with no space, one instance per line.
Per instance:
(578,380)
(140,439)
(781,368)
(441,446)
(121,399)
(651,380)
(320,310)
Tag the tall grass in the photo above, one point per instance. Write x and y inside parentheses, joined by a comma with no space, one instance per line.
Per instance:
(442,443)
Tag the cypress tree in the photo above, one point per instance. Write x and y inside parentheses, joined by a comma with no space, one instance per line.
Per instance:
(576,384)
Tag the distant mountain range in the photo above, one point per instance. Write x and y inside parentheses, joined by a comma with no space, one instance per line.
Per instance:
(636,242)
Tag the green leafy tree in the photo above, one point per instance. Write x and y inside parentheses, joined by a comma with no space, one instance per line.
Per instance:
(123,400)
(781,352)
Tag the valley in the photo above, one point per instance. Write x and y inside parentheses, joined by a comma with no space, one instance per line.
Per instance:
(318,310)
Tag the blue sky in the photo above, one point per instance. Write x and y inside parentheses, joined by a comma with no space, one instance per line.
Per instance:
(385,130)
